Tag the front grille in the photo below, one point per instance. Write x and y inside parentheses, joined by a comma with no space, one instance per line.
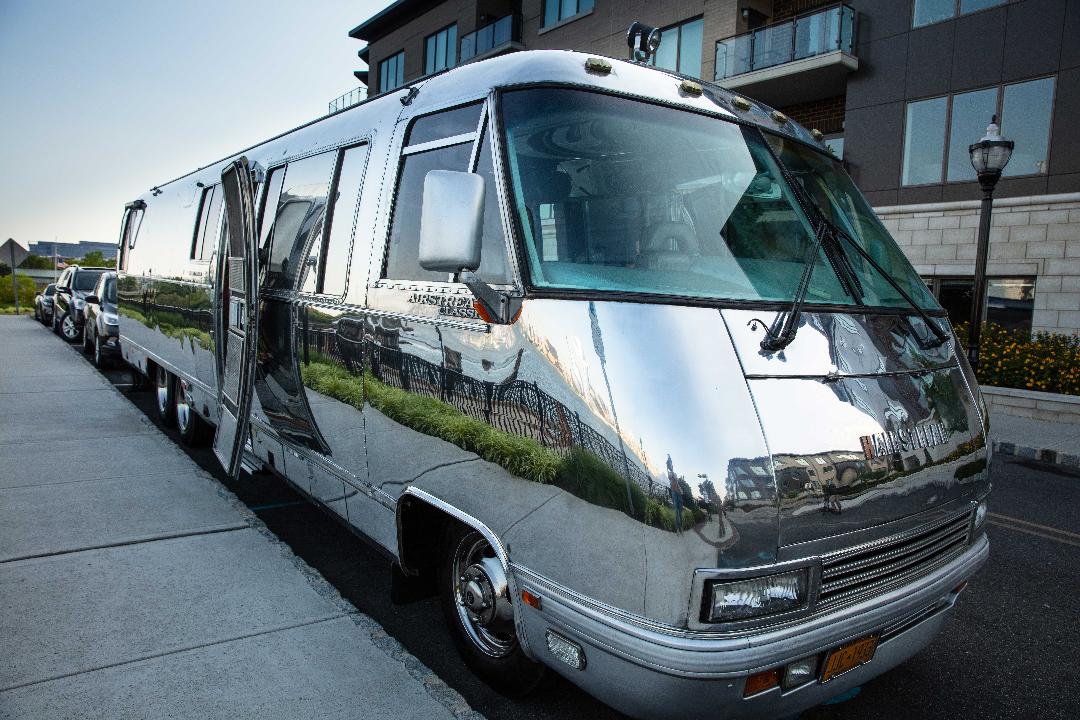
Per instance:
(875,568)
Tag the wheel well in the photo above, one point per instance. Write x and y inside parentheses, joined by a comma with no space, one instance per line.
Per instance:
(421,528)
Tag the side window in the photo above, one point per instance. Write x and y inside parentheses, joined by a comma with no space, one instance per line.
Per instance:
(345,203)
(206,231)
(298,221)
(443,141)
(129,228)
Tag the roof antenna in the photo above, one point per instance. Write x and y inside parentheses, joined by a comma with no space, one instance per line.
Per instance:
(646,39)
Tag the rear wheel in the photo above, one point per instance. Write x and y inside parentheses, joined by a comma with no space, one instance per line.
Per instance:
(87,345)
(476,601)
(194,431)
(99,358)
(166,396)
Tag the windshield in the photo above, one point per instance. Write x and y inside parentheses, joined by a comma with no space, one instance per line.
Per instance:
(833,191)
(619,195)
(85,280)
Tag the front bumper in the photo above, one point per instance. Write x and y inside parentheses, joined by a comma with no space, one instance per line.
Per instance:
(110,344)
(651,674)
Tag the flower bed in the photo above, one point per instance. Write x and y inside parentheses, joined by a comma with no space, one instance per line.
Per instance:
(1047,362)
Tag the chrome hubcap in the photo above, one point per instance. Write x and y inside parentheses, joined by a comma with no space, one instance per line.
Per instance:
(97,350)
(183,410)
(482,597)
(68,326)
(162,390)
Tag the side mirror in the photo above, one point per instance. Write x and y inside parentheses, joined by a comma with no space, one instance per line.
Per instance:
(451,221)
(92,300)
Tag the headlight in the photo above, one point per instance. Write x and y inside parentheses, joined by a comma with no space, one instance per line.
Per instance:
(111,319)
(980,513)
(728,600)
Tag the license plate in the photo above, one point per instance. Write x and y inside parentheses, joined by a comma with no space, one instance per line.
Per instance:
(849,656)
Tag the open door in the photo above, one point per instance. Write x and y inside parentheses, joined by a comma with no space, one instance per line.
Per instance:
(236,311)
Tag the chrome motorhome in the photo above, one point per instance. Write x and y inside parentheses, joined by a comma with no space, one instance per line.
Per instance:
(619,364)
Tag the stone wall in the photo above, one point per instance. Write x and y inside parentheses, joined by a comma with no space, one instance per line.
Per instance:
(1031,404)
(1030,236)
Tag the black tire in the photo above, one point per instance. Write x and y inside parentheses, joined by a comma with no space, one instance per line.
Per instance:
(86,340)
(194,431)
(165,385)
(496,657)
(68,329)
(99,359)
(55,324)
(138,380)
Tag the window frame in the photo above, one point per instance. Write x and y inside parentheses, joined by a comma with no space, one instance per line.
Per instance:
(199,236)
(487,124)
(450,48)
(399,58)
(678,44)
(956,13)
(947,129)
(559,22)
(934,283)
(328,223)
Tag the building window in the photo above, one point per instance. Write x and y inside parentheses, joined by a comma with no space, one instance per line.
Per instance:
(924,141)
(1010,301)
(932,11)
(392,72)
(440,50)
(680,48)
(559,10)
(1023,110)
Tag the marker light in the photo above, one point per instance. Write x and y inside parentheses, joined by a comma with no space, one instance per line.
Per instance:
(728,600)
(760,682)
(800,672)
(565,650)
(530,599)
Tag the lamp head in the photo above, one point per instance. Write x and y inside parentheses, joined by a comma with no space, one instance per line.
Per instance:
(991,154)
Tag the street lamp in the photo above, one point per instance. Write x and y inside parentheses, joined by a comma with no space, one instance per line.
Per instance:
(989,157)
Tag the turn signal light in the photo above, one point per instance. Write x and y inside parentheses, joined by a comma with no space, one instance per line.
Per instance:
(529,599)
(761,681)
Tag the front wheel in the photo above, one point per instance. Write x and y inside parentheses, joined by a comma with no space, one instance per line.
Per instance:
(475,598)
(166,398)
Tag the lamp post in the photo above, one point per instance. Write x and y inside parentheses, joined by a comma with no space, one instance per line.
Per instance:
(989,157)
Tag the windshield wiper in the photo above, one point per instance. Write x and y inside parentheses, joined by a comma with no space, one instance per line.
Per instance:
(940,338)
(782,331)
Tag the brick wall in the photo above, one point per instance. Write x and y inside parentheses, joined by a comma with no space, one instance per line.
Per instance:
(827,115)
(785,9)
(1035,236)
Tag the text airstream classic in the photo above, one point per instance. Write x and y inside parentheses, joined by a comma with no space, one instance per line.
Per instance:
(621,366)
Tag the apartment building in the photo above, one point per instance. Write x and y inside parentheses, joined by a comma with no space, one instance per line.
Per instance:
(899,89)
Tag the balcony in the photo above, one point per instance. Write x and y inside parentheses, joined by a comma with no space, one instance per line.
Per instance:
(491,39)
(353,97)
(798,60)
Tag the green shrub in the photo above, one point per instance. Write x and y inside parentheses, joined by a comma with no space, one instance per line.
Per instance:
(27,291)
(1044,361)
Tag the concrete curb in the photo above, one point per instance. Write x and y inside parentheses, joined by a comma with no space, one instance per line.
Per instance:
(1053,457)
(433,684)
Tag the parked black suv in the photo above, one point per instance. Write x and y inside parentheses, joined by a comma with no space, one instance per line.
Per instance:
(72,287)
(43,304)
(101,328)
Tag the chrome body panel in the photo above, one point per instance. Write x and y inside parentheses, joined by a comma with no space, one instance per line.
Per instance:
(562,435)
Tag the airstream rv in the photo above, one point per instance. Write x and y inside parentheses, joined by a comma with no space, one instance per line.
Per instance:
(619,364)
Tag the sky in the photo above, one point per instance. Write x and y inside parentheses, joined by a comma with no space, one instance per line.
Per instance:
(100,101)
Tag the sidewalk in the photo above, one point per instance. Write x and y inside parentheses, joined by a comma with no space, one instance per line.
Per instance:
(1057,443)
(133,585)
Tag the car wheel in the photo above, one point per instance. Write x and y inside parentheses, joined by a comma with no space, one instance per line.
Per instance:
(193,429)
(86,346)
(478,608)
(99,359)
(68,329)
(166,396)
(55,323)
(37,313)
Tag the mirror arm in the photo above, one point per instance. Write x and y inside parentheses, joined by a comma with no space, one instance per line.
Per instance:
(496,304)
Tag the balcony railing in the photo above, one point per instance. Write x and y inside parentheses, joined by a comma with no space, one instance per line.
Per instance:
(496,34)
(801,37)
(349,99)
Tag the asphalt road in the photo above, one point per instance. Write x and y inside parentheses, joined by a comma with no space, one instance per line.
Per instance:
(1011,649)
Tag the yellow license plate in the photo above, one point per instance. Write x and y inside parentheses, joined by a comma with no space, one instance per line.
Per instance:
(848,656)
